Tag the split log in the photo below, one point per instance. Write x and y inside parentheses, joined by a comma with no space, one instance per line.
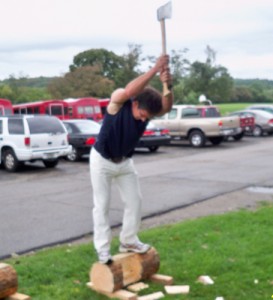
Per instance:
(126,268)
(8,280)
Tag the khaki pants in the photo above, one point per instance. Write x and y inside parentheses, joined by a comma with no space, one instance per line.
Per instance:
(103,172)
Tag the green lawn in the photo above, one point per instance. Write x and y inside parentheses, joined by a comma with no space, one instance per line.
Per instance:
(234,249)
(227,108)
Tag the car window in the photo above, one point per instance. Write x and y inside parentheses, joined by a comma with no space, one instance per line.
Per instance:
(45,125)
(190,113)
(16,126)
(88,127)
(172,114)
(68,127)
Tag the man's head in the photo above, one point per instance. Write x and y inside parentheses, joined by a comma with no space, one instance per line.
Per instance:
(147,104)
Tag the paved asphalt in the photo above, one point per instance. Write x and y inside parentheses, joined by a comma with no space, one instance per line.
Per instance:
(42,207)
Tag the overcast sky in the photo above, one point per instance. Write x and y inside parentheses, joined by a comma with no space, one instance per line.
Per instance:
(41,37)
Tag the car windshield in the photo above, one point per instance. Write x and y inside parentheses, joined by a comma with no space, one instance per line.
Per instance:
(45,125)
(88,127)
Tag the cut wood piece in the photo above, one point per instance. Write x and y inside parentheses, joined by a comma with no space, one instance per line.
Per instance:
(162,279)
(136,287)
(18,296)
(177,289)
(205,279)
(152,296)
(8,280)
(120,294)
(127,268)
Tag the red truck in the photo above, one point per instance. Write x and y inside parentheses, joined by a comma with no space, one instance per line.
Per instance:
(247,123)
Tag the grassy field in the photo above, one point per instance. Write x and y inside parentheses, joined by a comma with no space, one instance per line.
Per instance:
(234,249)
(227,108)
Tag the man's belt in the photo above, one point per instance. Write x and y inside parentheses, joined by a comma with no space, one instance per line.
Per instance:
(117,160)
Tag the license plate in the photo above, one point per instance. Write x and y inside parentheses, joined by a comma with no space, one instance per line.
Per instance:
(50,155)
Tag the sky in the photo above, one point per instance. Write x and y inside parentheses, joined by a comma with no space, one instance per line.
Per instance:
(41,37)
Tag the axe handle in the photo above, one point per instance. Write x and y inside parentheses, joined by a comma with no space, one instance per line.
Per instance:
(166,90)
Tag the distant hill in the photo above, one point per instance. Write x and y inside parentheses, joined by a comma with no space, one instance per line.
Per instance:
(36,82)
(265,83)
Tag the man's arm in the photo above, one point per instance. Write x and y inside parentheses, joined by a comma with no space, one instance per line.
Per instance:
(136,86)
(167,101)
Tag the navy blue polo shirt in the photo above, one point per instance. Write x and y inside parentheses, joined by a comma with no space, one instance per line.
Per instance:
(119,133)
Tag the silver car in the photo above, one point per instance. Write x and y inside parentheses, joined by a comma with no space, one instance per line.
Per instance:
(261,106)
(263,120)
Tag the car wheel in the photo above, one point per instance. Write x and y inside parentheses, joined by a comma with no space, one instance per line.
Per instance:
(51,163)
(153,148)
(216,140)
(74,155)
(197,138)
(10,161)
(257,131)
(239,136)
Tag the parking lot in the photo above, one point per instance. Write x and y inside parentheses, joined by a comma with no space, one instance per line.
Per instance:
(41,207)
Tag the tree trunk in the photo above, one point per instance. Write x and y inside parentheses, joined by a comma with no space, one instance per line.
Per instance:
(127,268)
(8,281)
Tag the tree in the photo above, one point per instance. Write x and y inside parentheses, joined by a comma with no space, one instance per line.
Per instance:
(210,79)
(108,61)
(130,63)
(82,82)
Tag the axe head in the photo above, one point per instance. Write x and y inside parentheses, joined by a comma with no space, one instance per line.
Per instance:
(164,11)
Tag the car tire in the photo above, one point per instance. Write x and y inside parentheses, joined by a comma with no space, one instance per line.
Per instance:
(74,155)
(197,138)
(216,140)
(153,148)
(239,136)
(257,131)
(51,163)
(10,161)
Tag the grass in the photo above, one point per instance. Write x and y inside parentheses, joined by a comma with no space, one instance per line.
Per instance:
(227,108)
(234,249)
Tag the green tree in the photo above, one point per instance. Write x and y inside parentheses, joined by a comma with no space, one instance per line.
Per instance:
(5,92)
(210,79)
(108,61)
(84,81)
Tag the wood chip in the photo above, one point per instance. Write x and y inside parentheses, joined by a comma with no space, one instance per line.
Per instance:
(163,279)
(177,289)
(205,280)
(153,296)
(137,287)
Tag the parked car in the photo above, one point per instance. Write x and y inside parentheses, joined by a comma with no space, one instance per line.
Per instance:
(27,138)
(265,107)
(184,122)
(154,137)
(247,121)
(82,134)
(263,120)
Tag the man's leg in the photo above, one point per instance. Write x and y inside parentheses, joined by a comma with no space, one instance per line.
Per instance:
(129,189)
(101,184)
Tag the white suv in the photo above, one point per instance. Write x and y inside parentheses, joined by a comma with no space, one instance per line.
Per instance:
(30,138)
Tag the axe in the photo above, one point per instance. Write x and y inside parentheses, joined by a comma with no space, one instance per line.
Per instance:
(164,12)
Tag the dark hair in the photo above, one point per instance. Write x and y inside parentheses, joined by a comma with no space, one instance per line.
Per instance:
(150,100)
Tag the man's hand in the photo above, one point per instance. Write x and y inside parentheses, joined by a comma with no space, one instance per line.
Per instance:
(166,77)
(162,63)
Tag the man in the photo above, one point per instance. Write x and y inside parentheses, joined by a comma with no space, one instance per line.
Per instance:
(127,116)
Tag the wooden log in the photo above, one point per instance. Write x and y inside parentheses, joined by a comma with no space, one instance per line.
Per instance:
(8,280)
(126,268)
(18,296)
(120,294)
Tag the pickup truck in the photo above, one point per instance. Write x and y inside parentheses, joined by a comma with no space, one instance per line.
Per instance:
(247,122)
(184,122)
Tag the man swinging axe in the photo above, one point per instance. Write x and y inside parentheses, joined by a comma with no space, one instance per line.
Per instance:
(126,118)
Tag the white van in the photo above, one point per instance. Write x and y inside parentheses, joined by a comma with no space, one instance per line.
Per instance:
(27,138)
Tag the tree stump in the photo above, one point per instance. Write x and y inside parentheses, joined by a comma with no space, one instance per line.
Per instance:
(127,268)
(8,281)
